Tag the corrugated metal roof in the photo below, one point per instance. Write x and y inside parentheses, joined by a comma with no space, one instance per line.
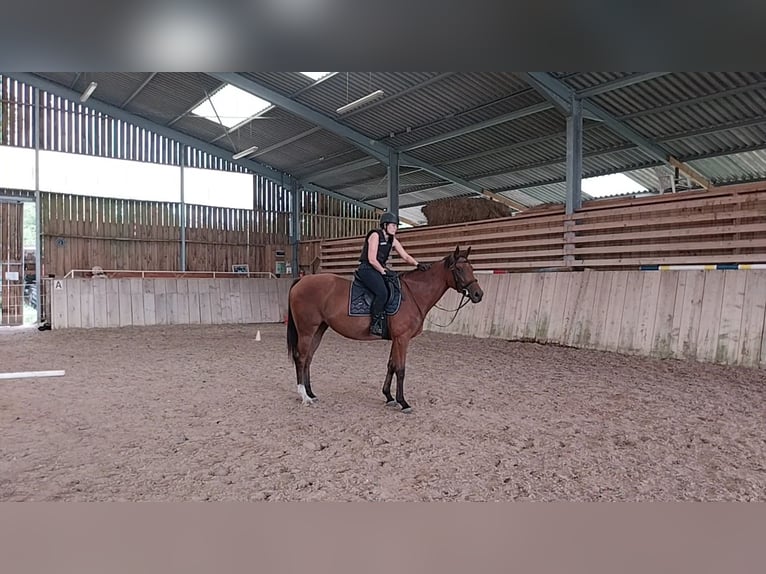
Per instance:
(716,121)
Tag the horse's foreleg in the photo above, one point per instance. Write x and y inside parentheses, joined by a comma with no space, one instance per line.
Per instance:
(399,356)
(390,402)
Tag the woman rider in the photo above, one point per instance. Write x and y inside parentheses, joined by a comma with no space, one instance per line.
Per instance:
(372,266)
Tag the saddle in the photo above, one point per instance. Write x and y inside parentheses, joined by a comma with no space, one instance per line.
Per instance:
(360,302)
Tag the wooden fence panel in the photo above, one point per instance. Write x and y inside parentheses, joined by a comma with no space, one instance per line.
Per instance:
(167,301)
(710,316)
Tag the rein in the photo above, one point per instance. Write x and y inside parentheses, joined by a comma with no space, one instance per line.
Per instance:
(463,302)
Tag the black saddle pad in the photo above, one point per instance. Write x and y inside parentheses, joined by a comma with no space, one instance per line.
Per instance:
(361,298)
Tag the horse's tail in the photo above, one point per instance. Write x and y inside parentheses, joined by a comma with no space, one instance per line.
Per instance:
(292,331)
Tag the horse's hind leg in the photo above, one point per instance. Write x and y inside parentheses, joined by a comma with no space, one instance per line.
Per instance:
(301,358)
(307,362)
(390,402)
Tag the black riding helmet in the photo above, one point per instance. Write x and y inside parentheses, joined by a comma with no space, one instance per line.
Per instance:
(388,217)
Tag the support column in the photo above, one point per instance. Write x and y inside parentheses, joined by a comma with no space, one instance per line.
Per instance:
(38,213)
(184,150)
(295,216)
(574,157)
(393,181)
(574,177)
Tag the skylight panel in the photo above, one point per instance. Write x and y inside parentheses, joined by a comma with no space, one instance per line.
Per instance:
(316,75)
(234,106)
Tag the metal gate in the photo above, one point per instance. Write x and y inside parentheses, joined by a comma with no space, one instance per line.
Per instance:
(11,263)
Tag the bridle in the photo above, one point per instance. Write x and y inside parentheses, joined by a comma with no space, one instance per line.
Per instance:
(463,290)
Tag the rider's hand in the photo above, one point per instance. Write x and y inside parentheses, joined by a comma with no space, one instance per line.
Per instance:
(423,266)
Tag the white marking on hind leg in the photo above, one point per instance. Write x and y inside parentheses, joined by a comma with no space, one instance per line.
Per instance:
(307,400)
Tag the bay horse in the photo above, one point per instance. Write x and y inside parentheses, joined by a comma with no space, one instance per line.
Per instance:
(316,302)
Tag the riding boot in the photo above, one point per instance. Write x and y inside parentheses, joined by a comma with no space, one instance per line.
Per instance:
(376,325)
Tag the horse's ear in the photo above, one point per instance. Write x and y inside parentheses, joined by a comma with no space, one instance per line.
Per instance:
(457,252)
(467,253)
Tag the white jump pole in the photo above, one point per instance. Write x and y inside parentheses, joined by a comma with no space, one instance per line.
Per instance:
(31,374)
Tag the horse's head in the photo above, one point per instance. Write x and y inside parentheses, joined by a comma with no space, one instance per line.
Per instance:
(463,280)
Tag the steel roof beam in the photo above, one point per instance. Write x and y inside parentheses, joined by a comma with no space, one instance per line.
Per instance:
(505,118)
(138,90)
(355,165)
(365,143)
(352,113)
(370,146)
(557,90)
(620,83)
(281,178)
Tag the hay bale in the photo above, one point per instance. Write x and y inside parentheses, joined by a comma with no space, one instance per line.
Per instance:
(462,209)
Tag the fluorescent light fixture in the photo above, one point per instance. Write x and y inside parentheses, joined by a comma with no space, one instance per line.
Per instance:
(360,102)
(234,106)
(244,152)
(88,91)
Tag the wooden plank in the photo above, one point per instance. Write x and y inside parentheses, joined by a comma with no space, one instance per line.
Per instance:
(616,307)
(691,307)
(710,316)
(629,323)
(665,313)
(558,308)
(701,231)
(502,296)
(183,316)
(171,298)
(195,316)
(581,330)
(573,297)
(126,302)
(216,301)
(74,288)
(600,308)
(519,317)
(246,303)
(205,313)
(647,311)
(255,299)
(59,305)
(235,298)
(137,302)
(100,303)
(751,336)
(671,260)
(548,292)
(149,301)
(160,301)
(730,325)
(532,323)
(112,302)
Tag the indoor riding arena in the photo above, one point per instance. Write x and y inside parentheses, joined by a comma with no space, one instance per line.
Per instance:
(603,340)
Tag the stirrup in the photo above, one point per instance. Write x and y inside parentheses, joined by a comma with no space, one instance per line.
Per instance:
(376,325)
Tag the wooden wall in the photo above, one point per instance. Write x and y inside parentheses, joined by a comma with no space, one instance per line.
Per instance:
(725,225)
(93,303)
(80,232)
(712,316)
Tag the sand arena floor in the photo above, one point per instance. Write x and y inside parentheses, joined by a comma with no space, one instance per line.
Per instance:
(208,413)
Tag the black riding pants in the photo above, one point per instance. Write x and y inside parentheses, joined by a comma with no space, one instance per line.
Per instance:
(376,283)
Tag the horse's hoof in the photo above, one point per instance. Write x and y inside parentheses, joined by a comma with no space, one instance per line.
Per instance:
(407,410)
(392,404)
